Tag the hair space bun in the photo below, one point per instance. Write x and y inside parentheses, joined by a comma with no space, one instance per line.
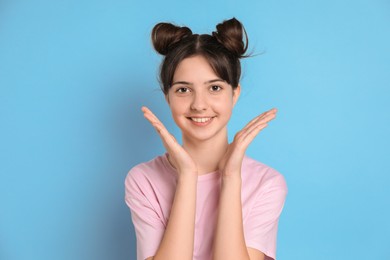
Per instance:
(164,35)
(230,34)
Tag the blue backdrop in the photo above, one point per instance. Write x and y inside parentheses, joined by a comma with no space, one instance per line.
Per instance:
(73,77)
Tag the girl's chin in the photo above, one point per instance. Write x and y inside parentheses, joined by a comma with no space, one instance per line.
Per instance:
(198,136)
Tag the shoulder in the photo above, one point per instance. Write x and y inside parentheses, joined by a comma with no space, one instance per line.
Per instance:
(260,176)
(148,173)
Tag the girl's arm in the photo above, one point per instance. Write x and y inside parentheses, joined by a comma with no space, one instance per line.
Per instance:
(229,240)
(178,240)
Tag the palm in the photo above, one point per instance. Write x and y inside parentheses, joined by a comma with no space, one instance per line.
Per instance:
(232,160)
(179,157)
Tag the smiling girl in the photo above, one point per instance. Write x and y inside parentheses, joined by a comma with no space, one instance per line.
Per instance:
(204,199)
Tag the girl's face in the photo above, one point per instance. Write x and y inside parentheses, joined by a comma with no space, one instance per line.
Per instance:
(200,101)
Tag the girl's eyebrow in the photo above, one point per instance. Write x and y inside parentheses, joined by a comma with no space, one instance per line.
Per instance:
(188,83)
(214,80)
(181,82)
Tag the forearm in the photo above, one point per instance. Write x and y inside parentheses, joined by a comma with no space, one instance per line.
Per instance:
(178,239)
(229,240)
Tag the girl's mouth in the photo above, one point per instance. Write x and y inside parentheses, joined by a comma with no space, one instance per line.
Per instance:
(200,121)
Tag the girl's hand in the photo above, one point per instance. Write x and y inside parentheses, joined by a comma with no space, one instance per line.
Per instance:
(230,165)
(180,159)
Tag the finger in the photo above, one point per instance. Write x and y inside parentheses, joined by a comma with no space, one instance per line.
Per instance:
(150,115)
(152,119)
(259,117)
(265,119)
(161,130)
(262,119)
(258,124)
(248,138)
(247,126)
(245,139)
(167,138)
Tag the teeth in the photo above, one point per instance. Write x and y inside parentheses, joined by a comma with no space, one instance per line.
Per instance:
(200,120)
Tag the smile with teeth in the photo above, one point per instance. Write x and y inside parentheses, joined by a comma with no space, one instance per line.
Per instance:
(201,119)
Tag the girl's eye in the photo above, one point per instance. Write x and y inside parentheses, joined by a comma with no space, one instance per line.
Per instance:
(215,88)
(182,90)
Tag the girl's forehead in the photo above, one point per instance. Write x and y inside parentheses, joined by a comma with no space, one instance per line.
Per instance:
(196,67)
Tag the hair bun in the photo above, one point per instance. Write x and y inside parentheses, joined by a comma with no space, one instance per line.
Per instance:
(164,35)
(230,34)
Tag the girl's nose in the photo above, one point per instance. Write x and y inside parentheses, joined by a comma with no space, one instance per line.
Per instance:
(199,102)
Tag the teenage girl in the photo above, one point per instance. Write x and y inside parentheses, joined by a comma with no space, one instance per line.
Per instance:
(204,199)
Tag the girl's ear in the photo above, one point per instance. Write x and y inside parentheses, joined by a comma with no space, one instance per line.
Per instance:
(236,94)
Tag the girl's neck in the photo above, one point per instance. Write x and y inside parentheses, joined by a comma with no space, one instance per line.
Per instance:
(208,153)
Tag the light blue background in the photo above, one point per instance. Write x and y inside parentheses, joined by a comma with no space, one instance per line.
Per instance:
(74,74)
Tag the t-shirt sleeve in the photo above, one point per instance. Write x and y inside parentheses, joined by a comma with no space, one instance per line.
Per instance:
(261,226)
(149,227)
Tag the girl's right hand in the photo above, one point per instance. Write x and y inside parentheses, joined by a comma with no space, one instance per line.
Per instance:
(178,157)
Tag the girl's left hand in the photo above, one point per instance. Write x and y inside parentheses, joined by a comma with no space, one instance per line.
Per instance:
(230,165)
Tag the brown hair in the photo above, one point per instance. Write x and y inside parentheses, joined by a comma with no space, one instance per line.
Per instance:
(222,49)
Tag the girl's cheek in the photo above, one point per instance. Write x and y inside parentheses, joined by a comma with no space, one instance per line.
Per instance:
(223,102)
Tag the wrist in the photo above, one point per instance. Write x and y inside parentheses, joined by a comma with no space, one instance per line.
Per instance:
(186,176)
(236,174)
(231,185)
(232,178)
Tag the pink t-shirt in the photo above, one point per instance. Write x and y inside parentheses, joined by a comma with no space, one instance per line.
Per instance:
(150,189)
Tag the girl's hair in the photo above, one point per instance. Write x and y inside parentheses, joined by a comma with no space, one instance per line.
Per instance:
(222,49)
